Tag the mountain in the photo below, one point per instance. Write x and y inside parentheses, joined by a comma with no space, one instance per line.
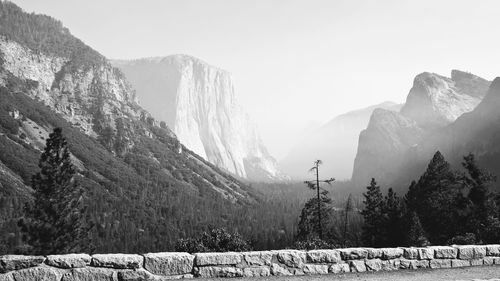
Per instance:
(335,143)
(390,149)
(198,102)
(143,188)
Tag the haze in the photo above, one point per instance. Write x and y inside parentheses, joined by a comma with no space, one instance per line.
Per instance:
(296,63)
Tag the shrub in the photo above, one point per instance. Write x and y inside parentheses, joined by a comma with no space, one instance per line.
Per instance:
(466,239)
(215,240)
(314,244)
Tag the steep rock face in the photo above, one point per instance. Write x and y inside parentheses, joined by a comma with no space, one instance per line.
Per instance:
(78,93)
(435,101)
(391,149)
(198,102)
(335,143)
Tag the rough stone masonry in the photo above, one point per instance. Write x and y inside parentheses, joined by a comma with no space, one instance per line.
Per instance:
(167,266)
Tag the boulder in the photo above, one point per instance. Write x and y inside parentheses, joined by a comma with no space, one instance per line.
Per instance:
(354,253)
(16,262)
(375,253)
(90,274)
(460,263)
(118,261)
(291,258)
(410,253)
(169,263)
(69,260)
(258,258)
(389,265)
(312,269)
(229,258)
(444,252)
(278,270)
(218,271)
(373,264)
(392,253)
(440,263)
(39,273)
(476,262)
(339,268)
(357,266)
(493,250)
(260,271)
(425,253)
(324,256)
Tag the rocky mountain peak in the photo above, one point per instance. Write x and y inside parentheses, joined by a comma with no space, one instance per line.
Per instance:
(435,101)
(198,102)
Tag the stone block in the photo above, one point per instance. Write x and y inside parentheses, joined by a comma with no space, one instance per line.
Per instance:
(392,253)
(425,253)
(460,263)
(218,271)
(440,263)
(491,260)
(389,265)
(354,253)
(291,258)
(410,253)
(169,263)
(118,261)
(493,250)
(90,274)
(339,268)
(476,262)
(16,262)
(357,266)
(445,252)
(471,252)
(6,277)
(258,258)
(39,273)
(312,269)
(278,270)
(374,253)
(68,261)
(324,256)
(229,258)
(373,265)
(260,271)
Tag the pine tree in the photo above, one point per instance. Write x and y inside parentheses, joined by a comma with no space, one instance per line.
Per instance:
(416,235)
(308,223)
(373,216)
(54,220)
(393,219)
(483,216)
(437,199)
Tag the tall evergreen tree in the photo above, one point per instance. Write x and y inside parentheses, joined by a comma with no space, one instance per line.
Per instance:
(54,221)
(393,219)
(415,235)
(308,223)
(373,230)
(483,217)
(438,200)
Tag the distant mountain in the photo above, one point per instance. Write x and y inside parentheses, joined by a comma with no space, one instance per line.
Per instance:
(198,102)
(335,143)
(391,148)
(144,189)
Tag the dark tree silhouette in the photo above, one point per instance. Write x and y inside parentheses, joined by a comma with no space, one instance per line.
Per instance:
(54,221)
(373,229)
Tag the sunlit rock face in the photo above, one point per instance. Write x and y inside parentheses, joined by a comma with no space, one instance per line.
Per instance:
(436,101)
(395,146)
(76,91)
(198,102)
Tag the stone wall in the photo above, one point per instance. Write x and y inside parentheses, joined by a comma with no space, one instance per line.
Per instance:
(165,266)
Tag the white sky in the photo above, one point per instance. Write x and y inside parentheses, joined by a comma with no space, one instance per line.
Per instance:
(297,62)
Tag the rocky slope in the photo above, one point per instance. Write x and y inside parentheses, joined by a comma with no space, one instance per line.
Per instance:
(335,143)
(140,182)
(198,102)
(390,149)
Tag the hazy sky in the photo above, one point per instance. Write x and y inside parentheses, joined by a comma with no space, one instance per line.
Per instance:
(297,62)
